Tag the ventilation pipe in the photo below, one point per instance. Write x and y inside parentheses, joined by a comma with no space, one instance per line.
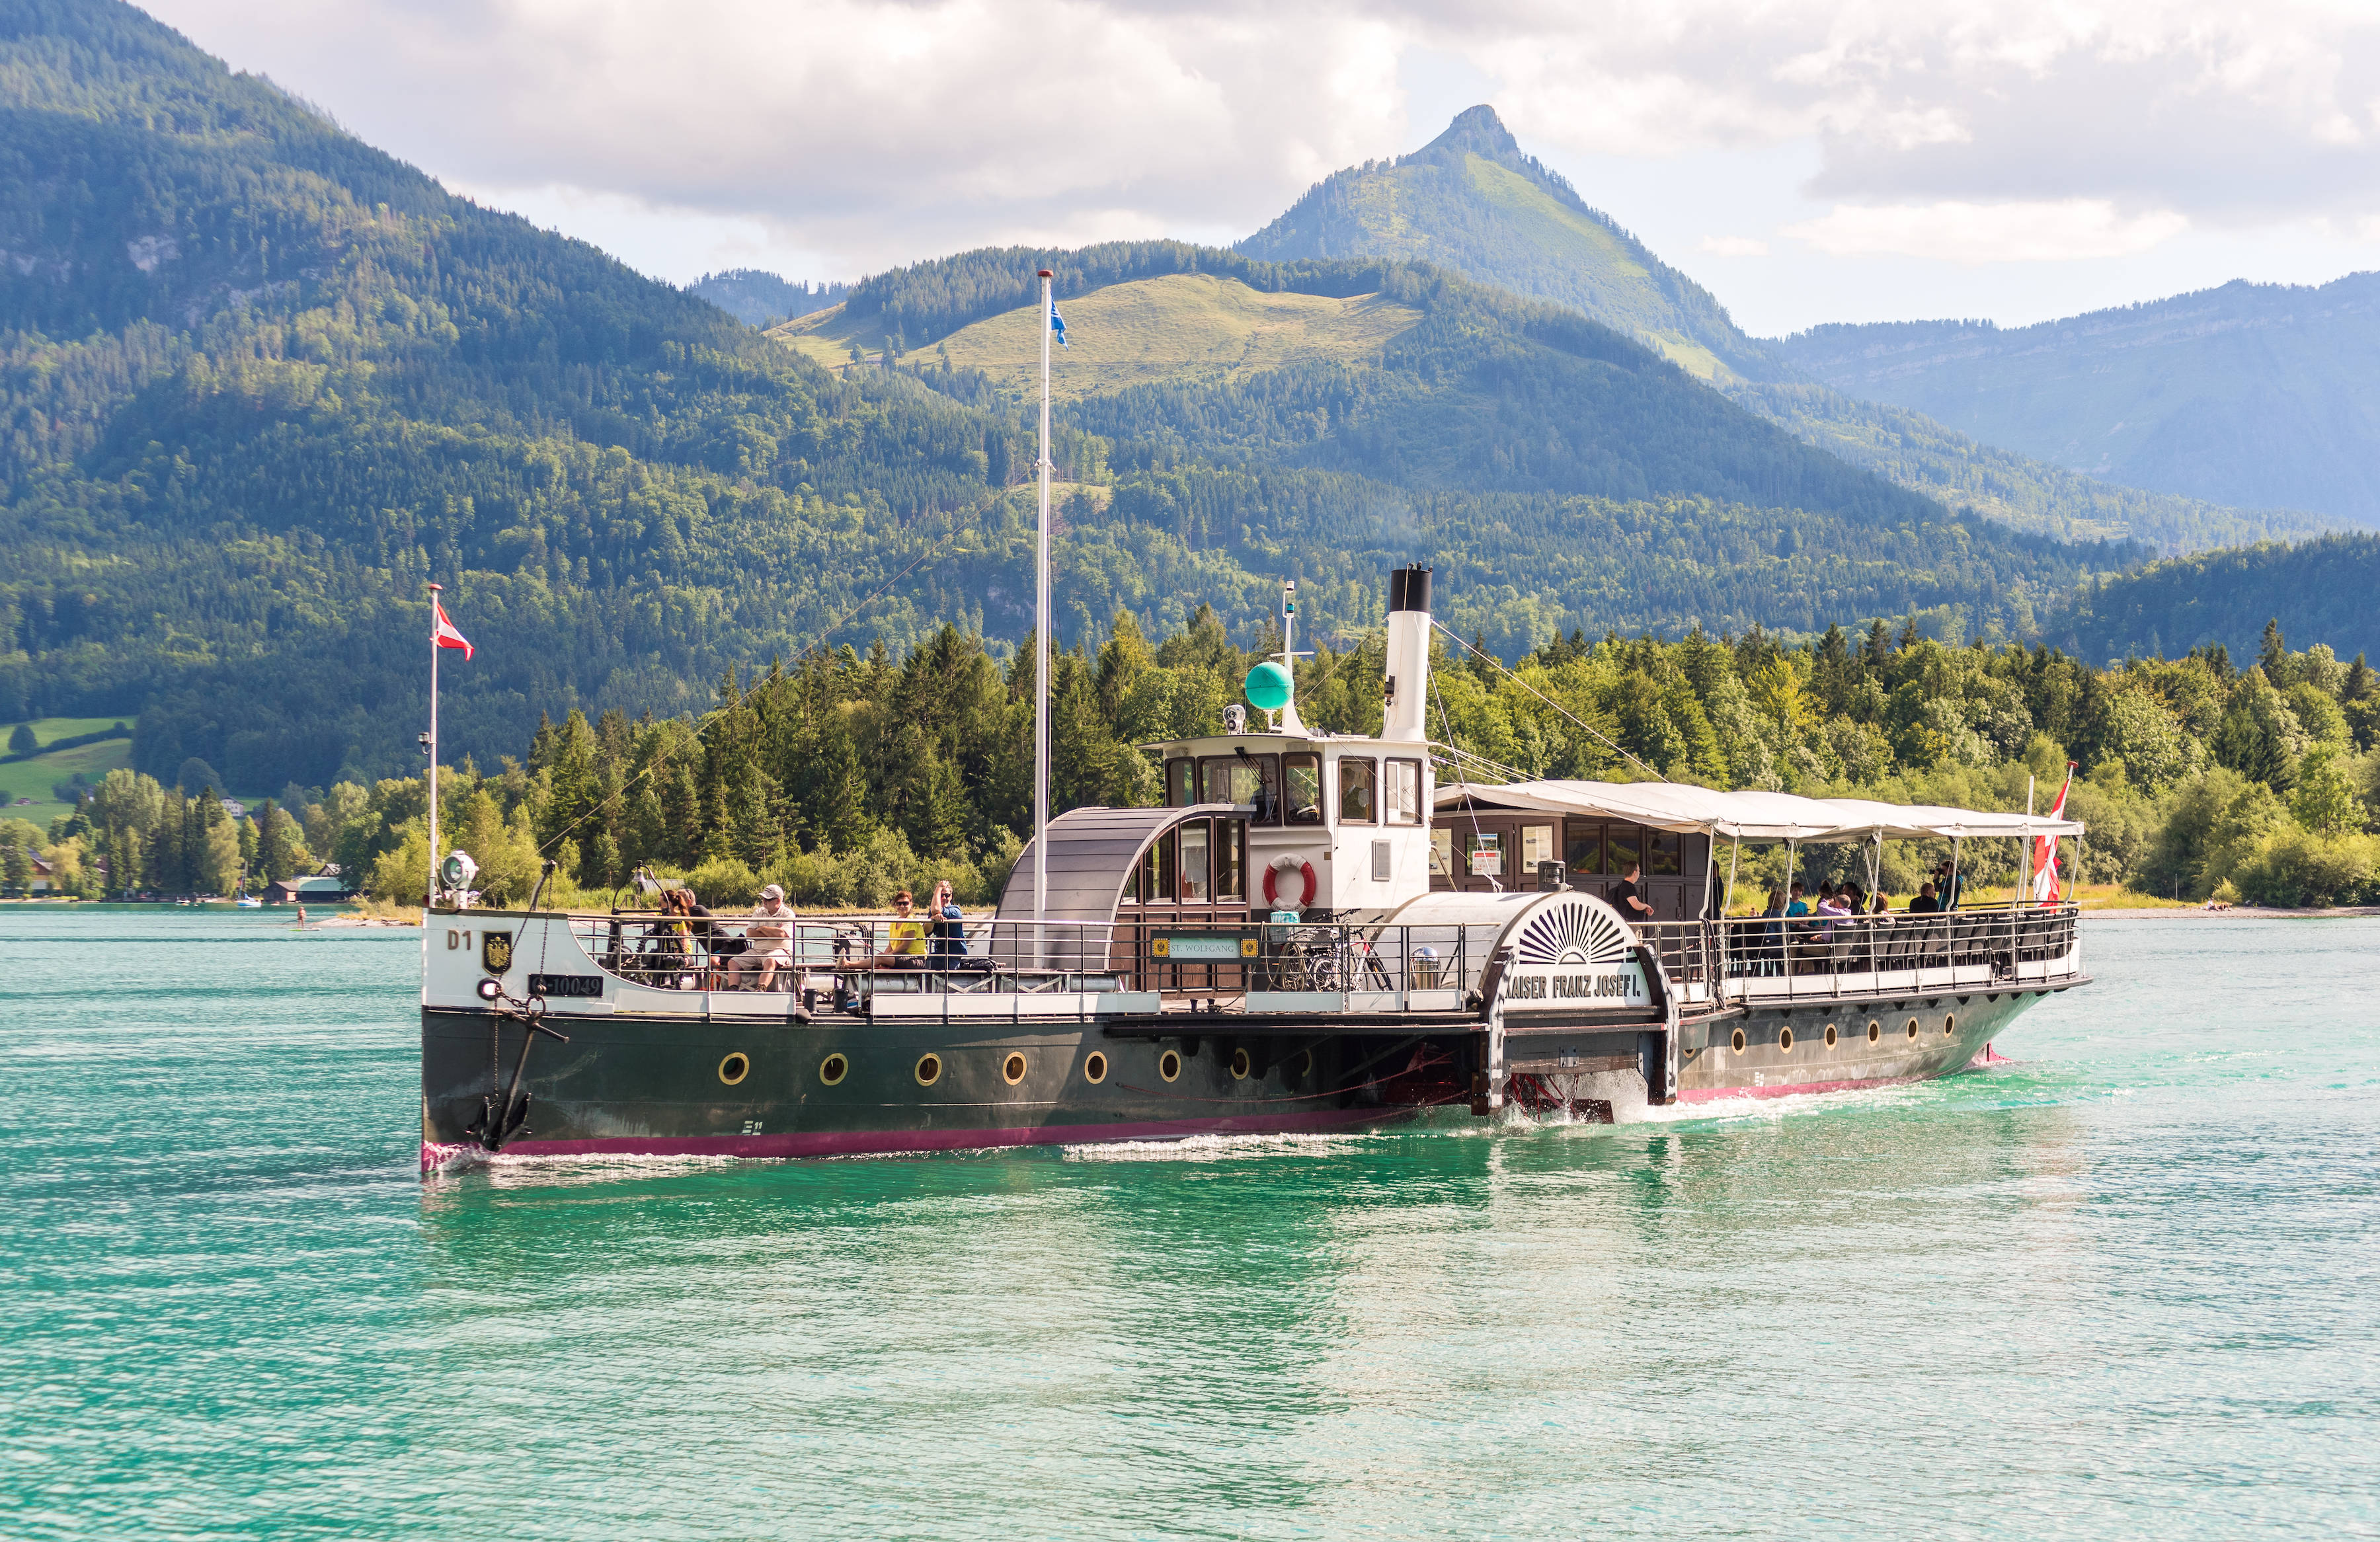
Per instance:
(1408,655)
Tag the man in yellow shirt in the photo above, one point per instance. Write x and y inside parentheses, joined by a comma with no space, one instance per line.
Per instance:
(906,947)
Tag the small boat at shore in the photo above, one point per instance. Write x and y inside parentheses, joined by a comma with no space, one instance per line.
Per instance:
(1314,933)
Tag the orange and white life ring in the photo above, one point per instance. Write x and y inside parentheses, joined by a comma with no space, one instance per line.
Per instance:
(1288,864)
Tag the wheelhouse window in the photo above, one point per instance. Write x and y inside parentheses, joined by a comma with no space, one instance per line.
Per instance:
(1179,791)
(1301,777)
(1197,871)
(1358,790)
(1401,796)
(1483,854)
(1253,781)
(1441,852)
(1231,861)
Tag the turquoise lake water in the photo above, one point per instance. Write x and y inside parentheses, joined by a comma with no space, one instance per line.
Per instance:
(2123,1287)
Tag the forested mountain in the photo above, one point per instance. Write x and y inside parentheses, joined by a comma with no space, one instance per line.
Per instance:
(1568,475)
(2317,591)
(2256,394)
(258,383)
(262,383)
(1473,200)
(763,299)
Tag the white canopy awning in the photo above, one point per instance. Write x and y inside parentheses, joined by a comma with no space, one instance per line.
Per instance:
(1751,815)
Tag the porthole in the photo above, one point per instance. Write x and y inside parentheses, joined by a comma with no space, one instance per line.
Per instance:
(735,1068)
(1168,1065)
(1949,1025)
(1831,1036)
(1912,1027)
(1095,1067)
(1241,1065)
(1875,1031)
(1736,1042)
(1785,1041)
(929,1070)
(833,1069)
(1012,1070)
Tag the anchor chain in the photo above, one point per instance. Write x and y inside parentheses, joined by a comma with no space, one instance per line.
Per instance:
(504,1112)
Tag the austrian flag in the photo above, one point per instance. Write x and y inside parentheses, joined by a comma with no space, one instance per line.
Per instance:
(443,633)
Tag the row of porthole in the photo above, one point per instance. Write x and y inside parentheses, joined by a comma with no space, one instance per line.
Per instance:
(836,1066)
(1875,1035)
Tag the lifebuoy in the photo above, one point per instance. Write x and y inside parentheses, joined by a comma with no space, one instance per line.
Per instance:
(1281,865)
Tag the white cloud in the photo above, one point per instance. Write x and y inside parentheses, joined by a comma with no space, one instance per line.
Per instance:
(865,132)
(1733,246)
(2063,231)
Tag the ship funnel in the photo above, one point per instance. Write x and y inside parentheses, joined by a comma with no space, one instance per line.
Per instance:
(1408,657)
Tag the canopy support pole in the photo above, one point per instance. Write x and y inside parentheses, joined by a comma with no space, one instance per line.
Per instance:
(1732,853)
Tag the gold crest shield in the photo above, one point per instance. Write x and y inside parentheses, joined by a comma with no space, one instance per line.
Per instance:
(496,951)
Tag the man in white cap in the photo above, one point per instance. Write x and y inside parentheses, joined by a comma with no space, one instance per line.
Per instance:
(767,941)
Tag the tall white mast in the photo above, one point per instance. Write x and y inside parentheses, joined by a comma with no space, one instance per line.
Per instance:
(1041,653)
(434,746)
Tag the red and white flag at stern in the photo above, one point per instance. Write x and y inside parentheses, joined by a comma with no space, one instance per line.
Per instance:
(2045,890)
(443,632)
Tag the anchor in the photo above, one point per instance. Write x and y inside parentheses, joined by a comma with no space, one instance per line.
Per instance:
(499,1127)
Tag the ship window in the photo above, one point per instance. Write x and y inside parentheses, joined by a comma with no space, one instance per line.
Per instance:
(1537,846)
(1583,853)
(1483,855)
(1831,1036)
(1231,860)
(1177,783)
(1874,1032)
(1301,777)
(1358,789)
(1736,1042)
(1622,849)
(1157,865)
(1785,1040)
(1401,796)
(1664,851)
(1949,1026)
(1441,852)
(1194,871)
(1252,782)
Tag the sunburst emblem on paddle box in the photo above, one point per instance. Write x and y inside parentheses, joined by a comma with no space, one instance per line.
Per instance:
(1571,932)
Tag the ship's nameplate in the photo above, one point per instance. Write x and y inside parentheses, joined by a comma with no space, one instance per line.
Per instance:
(1204,947)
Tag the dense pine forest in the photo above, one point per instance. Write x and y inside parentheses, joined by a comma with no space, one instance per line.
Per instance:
(844,775)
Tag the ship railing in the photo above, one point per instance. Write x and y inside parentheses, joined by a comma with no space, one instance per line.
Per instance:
(1250,966)
(1764,958)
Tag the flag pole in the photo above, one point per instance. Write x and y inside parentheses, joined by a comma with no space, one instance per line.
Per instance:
(432,893)
(1041,654)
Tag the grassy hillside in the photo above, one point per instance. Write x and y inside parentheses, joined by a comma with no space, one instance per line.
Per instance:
(2250,393)
(1472,200)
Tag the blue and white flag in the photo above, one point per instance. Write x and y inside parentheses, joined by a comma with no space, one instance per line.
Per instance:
(1057,324)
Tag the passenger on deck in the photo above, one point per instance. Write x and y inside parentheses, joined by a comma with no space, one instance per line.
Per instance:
(767,942)
(1628,897)
(1925,903)
(1772,953)
(1880,907)
(945,919)
(1949,884)
(905,946)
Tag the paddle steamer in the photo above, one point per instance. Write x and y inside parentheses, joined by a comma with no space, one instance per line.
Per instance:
(1312,933)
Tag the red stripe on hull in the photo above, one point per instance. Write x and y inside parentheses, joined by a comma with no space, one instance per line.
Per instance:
(867,1143)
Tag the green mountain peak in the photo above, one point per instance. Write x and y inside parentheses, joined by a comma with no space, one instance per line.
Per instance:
(1472,199)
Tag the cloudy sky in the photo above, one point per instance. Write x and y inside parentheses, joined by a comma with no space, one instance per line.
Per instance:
(1808,162)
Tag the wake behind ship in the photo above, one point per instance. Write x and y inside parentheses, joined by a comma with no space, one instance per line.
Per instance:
(1312,934)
